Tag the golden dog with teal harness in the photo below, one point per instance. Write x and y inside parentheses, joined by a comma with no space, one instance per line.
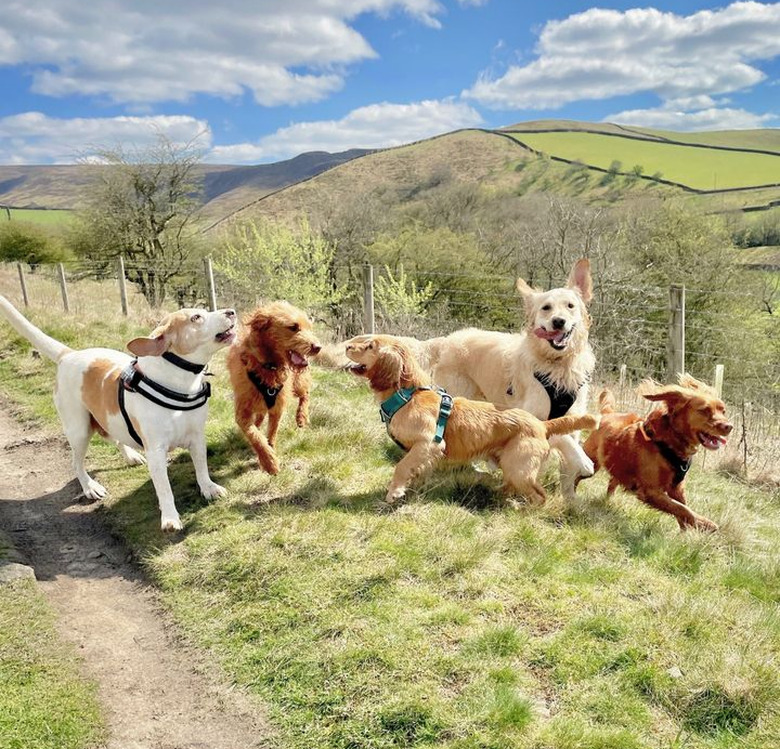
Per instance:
(388,408)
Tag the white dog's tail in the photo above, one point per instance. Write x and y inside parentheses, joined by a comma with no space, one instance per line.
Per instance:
(48,346)
(571,423)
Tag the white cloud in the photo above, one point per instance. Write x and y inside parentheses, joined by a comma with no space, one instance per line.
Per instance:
(151,51)
(712,118)
(373,126)
(34,138)
(600,53)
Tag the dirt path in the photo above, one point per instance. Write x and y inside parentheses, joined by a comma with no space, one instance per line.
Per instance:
(156,692)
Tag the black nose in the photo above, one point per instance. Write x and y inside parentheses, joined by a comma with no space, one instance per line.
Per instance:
(558,323)
(315,349)
(230,313)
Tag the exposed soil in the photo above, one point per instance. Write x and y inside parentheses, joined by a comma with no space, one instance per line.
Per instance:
(156,691)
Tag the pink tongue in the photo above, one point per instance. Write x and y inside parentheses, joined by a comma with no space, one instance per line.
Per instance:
(548,335)
(713,443)
(297,359)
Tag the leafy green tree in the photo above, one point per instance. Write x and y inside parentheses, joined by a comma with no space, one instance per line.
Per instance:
(144,205)
(26,243)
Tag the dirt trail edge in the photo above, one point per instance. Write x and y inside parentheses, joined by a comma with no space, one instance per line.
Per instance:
(156,692)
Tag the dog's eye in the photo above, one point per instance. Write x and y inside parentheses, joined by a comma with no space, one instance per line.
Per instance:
(369,345)
(196,318)
(546,307)
(295,328)
(571,305)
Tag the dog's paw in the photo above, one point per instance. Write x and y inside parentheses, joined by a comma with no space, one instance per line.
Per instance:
(171,525)
(134,458)
(704,524)
(213,490)
(95,490)
(302,420)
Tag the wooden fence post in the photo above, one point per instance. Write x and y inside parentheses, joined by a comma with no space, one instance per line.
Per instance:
(676,343)
(719,380)
(210,284)
(368,298)
(63,286)
(122,284)
(23,284)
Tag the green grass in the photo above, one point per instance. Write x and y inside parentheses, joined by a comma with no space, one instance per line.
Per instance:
(451,621)
(44,703)
(698,168)
(42,217)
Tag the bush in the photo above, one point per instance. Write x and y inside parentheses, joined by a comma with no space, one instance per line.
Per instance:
(26,243)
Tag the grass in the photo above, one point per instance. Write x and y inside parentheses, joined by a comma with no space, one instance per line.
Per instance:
(699,168)
(450,621)
(41,217)
(44,703)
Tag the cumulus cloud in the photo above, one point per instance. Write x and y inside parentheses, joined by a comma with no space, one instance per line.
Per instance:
(34,138)
(373,126)
(149,51)
(601,53)
(712,118)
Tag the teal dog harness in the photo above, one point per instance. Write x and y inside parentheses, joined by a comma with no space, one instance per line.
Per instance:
(400,398)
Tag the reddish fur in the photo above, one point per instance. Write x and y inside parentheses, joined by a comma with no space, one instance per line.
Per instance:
(267,338)
(624,444)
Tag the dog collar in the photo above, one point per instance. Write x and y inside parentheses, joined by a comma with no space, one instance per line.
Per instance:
(561,400)
(177,361)
(133,380)
(388,408)
(680,465)
(270,394)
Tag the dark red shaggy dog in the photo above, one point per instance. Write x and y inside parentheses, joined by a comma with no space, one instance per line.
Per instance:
(269,361)
(651,456)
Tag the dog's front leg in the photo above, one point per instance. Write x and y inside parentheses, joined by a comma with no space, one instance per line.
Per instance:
(301,386)
(574,463)
(208,488)
(157,459)
(274,417)
(420,457)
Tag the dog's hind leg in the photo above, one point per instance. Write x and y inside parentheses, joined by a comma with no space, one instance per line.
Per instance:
(132,457)
(76,423)
(521,460)
(574,463)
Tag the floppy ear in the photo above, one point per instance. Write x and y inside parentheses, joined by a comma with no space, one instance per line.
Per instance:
(388,369)
(580,280)
(672,395)
(258,321)
(156,346)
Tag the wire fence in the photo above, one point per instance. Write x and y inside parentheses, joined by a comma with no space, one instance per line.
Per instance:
(632,328)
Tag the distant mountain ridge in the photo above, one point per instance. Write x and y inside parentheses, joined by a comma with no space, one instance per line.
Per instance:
(226,187)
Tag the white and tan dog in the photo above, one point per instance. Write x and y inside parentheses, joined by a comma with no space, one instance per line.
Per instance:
(543,370)
(87,390)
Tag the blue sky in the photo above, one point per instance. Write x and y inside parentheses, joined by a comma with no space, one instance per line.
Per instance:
(262,80)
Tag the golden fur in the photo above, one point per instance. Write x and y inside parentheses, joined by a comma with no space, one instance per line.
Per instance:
(274,345)
(691,414)
(499,367)
(515,439)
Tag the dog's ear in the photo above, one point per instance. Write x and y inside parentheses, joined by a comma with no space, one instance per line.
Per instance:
(580,280)
(156,346)
(388,369)
(259,320)
(524,289)
(672,395)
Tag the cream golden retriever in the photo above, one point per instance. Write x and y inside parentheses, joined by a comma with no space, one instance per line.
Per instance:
(515,439)
(544,370)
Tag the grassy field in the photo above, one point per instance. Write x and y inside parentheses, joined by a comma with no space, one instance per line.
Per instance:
(450,621)
(699,168)
(44,703)
(41,217)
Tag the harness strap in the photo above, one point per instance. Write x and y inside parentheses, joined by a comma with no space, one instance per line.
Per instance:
(561,400)
(270,394)
(133,380)
(680,465)
(388,408)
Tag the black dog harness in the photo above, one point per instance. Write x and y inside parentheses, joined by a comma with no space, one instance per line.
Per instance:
(561,400)
(133,380)
(270,394)
(681,467)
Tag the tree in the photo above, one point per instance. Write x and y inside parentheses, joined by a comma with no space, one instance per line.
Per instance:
(27,243)
(144,205)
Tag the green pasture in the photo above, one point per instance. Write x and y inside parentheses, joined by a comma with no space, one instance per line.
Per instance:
(699,168)
(42,217)
(450,621)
